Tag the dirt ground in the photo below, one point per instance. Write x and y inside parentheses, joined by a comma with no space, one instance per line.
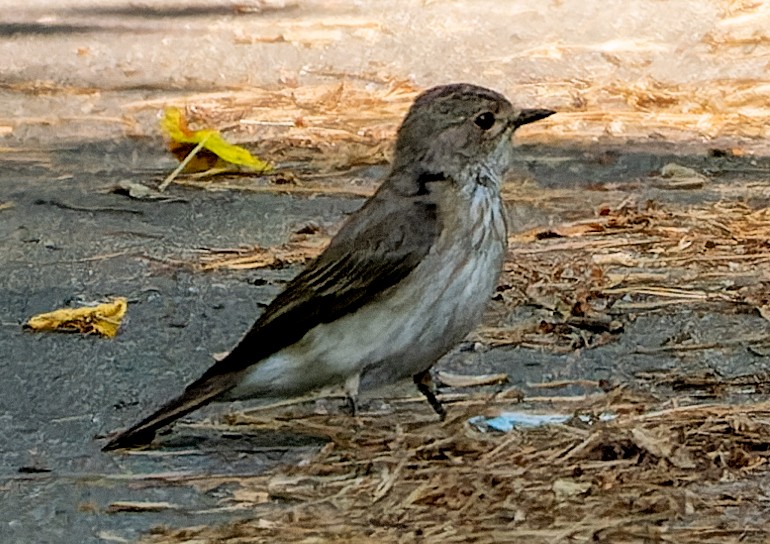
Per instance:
(627,277)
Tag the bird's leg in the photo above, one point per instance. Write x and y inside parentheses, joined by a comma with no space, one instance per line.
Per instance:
(351,393)
(425,385)
(351,403)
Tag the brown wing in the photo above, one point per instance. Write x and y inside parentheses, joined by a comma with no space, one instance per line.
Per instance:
(379,245)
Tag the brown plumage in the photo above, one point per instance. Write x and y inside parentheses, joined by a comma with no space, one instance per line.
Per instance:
(405,278)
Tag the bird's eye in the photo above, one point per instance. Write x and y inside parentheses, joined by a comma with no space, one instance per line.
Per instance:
(485,120)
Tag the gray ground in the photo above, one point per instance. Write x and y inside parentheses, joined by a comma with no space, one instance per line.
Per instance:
(67,240)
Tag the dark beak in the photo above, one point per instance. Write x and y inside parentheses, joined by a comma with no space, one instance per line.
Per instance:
(530,116)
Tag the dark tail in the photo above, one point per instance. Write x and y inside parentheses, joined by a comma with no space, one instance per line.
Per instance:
(196,395)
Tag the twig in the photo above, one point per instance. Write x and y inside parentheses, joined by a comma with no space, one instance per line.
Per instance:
(178,169)
(74,207)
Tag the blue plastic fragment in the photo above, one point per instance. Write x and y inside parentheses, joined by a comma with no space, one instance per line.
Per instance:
(507,421)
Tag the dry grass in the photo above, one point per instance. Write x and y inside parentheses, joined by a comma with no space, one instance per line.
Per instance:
(633,259)
(321,129)
(657,473)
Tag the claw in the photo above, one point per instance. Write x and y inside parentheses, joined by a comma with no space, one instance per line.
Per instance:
(424,382)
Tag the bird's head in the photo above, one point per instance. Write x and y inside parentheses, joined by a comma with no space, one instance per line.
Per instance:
(452,128)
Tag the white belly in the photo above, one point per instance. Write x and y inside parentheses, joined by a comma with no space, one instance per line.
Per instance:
(408,329)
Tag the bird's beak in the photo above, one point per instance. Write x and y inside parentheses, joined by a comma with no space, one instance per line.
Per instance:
(530,116)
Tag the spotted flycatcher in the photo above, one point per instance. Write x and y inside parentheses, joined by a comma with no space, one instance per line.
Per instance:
(403,281)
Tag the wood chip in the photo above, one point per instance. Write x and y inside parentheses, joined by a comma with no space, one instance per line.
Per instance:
(461,380)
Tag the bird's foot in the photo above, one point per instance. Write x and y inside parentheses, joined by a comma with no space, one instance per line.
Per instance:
(351,405)
(351,394)
(424,382)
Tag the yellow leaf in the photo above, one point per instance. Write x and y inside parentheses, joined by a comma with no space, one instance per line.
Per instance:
(103,319)
(175,126)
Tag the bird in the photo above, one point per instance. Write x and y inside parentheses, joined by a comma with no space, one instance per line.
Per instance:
(403,281)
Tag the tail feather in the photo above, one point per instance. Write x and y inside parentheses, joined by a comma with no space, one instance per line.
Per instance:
(196,395)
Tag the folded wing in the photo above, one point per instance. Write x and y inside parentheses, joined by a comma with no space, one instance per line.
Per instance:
(379,246)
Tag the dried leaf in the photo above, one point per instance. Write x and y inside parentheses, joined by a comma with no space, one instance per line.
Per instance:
(103,319)
(183,139)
